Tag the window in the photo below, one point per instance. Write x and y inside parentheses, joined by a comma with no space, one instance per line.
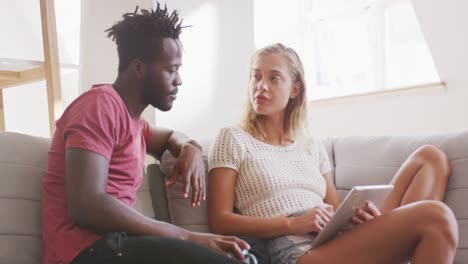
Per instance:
(349,46)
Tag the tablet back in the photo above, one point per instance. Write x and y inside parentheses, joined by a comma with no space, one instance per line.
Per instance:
(344,214)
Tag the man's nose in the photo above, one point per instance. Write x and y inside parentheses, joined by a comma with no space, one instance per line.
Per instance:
(178,80)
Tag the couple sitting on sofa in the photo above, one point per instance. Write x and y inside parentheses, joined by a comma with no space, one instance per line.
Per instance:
(279,182)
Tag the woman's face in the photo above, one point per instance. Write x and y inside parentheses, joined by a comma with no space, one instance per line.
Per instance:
(271,84)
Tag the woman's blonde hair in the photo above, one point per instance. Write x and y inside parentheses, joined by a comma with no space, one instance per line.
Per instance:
(295,116)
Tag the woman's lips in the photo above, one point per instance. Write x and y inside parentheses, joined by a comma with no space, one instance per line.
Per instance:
(261,99)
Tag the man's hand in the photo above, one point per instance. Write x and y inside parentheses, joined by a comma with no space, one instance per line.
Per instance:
(227,245)
(368,212)
(190,170)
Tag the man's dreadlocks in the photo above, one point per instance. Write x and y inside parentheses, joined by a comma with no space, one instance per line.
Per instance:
(141,35)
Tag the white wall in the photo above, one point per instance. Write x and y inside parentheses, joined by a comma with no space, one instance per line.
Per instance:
(99,58)
(217,49)
(216,53)
(215,66)
(426,110)
(419,111)
(20,24)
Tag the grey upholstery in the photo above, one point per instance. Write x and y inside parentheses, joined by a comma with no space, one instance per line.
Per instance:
(23,161)
(374,160)
(180,210)
(355,160)
(362,161)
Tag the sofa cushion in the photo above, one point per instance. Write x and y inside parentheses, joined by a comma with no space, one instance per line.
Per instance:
(374,160)
(23,162)
(357,161)
(143,202)
(180,209)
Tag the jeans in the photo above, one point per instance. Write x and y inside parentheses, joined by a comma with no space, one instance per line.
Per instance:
(118,248)
(258,248)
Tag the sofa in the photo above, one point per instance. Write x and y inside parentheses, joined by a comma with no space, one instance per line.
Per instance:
(23,161)
(355,161)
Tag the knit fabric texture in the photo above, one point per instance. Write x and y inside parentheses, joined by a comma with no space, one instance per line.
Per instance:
(271,180)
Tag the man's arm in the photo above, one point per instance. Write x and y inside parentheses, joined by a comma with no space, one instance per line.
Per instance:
(91,207)
(189,167)
(163,139)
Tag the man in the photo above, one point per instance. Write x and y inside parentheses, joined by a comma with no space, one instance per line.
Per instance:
(96,160)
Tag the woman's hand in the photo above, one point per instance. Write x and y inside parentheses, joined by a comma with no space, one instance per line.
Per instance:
(312,221)
(368,212)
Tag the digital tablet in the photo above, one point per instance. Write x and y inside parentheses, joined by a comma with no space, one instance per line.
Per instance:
(356,198)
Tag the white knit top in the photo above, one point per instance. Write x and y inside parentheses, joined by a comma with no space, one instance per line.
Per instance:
(272,180)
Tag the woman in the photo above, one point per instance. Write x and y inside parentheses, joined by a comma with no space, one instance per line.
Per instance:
(283,190)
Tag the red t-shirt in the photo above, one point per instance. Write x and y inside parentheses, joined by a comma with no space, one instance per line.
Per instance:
(98,121)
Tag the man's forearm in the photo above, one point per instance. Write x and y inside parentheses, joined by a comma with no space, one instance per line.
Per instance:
(103,213)
(163,139)
(174,143)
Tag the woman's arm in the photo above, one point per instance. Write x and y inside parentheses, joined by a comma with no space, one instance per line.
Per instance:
(332,196)
(224,221)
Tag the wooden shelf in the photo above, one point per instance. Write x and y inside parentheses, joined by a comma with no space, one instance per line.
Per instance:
(14,72)
(9,75)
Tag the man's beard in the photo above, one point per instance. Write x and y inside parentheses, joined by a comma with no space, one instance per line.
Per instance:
(151,97)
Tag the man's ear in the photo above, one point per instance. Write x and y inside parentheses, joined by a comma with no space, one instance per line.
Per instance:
(295,90)
(138,68)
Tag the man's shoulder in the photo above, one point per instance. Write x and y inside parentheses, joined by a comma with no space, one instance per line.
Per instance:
(98,98)
(100,92)
(97,102)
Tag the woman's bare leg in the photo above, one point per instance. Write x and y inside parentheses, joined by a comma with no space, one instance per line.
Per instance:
(423,176)
(424,231)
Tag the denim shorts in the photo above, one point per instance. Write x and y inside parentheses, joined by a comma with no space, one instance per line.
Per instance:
(288,249)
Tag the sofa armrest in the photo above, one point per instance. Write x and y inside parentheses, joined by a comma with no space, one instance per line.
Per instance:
(158,194)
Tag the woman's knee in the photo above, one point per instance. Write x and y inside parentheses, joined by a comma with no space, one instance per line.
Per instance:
(432,155)
(437,217)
